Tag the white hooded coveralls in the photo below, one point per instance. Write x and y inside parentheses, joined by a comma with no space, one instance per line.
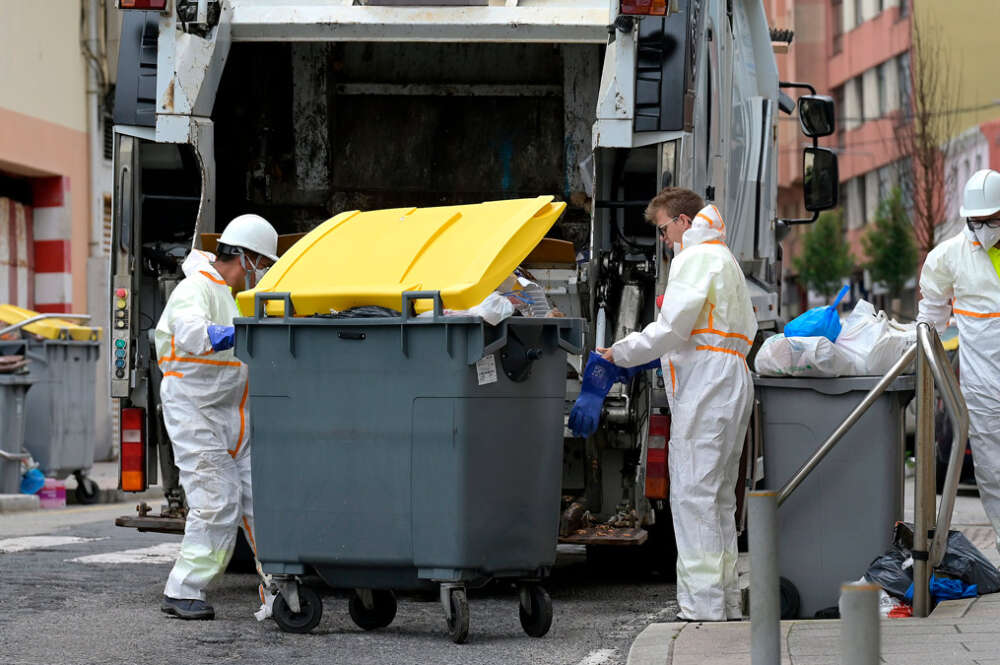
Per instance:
(704,331)
(959,277)
(204,396)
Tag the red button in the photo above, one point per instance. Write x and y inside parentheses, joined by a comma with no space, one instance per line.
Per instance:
(120,293)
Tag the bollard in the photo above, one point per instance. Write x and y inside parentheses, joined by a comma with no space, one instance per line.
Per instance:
(765,598)
(859,624)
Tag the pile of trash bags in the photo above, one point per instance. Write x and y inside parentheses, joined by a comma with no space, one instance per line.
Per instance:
(868,343)
(964,572)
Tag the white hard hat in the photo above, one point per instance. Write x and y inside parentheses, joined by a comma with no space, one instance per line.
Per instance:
(252,232)
(982,194)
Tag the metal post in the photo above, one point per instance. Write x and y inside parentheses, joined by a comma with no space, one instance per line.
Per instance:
(859,624)
(924,492)
(765,600)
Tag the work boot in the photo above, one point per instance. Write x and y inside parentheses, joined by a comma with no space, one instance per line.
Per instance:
(187,608)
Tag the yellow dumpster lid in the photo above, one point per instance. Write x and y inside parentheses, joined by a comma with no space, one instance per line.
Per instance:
(371,258)
(54,328)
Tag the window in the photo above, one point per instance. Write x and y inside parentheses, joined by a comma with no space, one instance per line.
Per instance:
(884,183)
(859,87)
(857,13)
(904,8)
(862,200)
(903,70)
(883,102)
(839,111)
(838,26)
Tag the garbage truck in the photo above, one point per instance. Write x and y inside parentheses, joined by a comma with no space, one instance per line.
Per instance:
(301,109)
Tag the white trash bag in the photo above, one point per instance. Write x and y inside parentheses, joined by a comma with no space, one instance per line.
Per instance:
(872,341)
(815,357)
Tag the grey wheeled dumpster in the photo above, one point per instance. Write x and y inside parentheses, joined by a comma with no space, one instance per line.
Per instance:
(13,390)
(841,516)
(404,452)
(59,431)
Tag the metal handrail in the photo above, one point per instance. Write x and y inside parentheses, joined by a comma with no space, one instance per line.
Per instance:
(848,423)
(42,317)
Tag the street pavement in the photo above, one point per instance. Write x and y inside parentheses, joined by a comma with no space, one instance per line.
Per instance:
(74,589)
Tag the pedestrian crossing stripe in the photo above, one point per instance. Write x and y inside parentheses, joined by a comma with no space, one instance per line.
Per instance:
(11,545)
(163,553)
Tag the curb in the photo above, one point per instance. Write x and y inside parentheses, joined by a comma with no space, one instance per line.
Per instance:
(15,503)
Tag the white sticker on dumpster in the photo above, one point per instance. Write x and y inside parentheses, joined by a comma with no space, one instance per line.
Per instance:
(486,370)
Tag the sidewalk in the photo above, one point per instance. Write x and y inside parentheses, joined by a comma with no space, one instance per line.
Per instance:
(105,474)
(958,632)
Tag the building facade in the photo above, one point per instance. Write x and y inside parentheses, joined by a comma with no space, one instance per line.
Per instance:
(859,52)
(55,162)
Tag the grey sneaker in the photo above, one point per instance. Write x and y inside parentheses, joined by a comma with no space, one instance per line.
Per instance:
(187,608)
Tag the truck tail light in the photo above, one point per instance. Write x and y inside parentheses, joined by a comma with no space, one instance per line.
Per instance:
(157,5)
(643,7)
(133,450)
(657,475)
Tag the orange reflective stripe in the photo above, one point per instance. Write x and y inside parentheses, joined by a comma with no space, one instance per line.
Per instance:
(719,349)
(976,243)
(673,377)
(713,242)
(243,419)
(173,357)
(711,222)
(213,278)
(253,544)
(710,330)
(978,315)
(176,374)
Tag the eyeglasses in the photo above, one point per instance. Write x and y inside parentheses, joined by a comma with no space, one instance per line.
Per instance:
(663,229)
(989,223)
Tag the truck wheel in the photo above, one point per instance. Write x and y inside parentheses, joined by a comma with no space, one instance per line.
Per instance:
(536,618)
(87,490)
(379,616)
(458,622)
(299,622)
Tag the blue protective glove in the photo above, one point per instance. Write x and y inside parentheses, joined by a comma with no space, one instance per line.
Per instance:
(221,337)
(626,373)
(598,377)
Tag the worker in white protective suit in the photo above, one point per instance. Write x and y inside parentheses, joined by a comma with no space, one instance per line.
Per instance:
(204,395)
(702,335)
(962,275)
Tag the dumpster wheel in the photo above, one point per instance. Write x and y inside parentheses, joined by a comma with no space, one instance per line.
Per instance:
(535,610)
(86,489)
(458,616)
(299,622)
(380,615)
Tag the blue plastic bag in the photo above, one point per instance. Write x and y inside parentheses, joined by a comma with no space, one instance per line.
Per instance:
(819,321)
(32,481)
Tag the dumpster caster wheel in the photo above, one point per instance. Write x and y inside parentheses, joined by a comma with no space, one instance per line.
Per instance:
(381,614)
(790,599)
(86,490)
(299,622)
(458,618)
(535,610)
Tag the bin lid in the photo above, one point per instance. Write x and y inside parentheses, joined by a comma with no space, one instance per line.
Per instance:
(371,258)
(834,385)
(48,328)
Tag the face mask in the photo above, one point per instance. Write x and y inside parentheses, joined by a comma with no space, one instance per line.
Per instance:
(986,236)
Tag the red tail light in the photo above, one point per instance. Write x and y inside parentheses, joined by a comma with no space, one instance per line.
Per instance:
(133,450)
(158,5)
(643,7)
(657,475)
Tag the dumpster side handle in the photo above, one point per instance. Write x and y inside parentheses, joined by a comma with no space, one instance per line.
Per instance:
(409,297)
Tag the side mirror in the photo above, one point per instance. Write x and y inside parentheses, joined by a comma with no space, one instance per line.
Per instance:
(820,179)
(816,115)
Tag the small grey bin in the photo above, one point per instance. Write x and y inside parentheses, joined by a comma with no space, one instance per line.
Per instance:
(405,452)
(841,517)
(13,391)
(59,431)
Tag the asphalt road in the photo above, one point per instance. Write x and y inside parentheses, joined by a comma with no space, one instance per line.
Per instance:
(74,590)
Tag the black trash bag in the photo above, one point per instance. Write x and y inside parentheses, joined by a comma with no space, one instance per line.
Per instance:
(887,571)
(961,561)
(364,312)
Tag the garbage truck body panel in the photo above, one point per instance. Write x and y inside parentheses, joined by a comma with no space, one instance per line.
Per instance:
(300,110)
